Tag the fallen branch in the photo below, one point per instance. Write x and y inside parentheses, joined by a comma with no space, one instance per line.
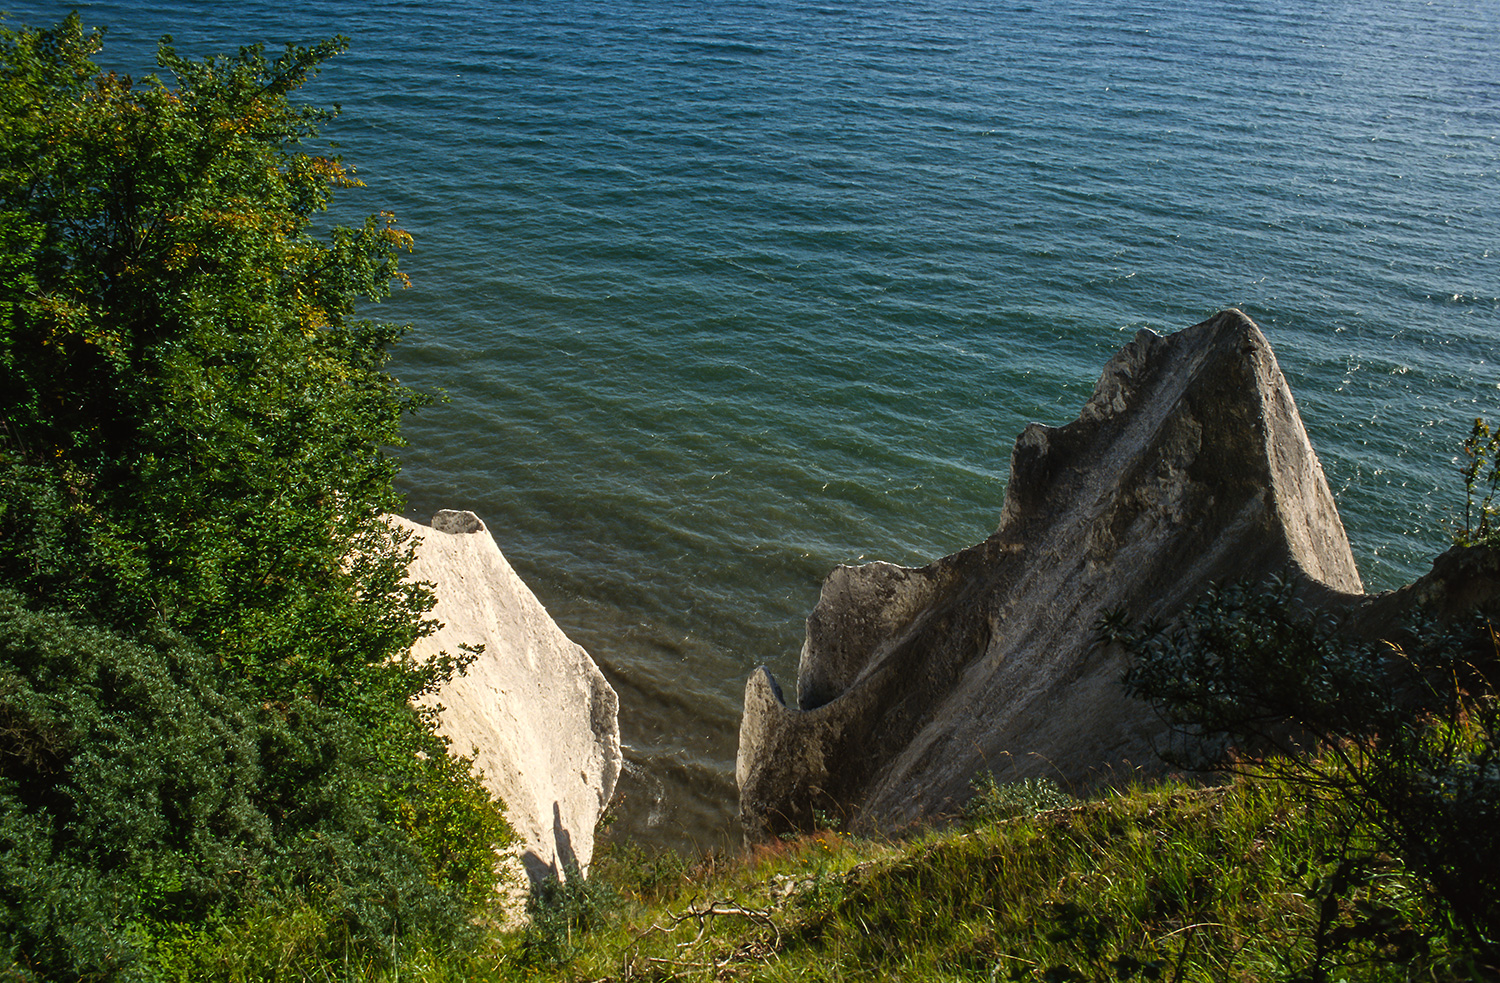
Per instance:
(704,916)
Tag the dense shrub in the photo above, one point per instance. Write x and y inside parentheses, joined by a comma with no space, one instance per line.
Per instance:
(205,696)
(561,913)
(1397,739)
(142,788)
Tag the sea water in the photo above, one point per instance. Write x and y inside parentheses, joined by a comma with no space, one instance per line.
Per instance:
(723,293)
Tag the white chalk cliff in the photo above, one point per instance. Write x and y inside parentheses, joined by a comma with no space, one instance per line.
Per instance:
(538,716)
(1188,465)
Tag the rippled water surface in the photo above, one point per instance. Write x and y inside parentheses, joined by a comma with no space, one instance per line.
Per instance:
(726,293)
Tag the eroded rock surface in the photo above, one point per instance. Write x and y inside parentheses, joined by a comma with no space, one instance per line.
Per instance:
(1188,465)
(534,710)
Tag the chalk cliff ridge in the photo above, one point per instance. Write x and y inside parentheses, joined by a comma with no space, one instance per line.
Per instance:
(1187,466)
(538,716)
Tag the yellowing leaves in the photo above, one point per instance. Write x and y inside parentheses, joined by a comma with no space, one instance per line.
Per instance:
(244,215)
(393,234)
(250,120)
(63,314)
(328,169)
(180,253)
(312,318)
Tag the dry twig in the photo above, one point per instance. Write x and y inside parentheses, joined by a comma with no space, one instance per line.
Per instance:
(704,916)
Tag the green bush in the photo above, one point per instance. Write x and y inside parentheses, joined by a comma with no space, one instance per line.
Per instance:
(194,417)
(993,802)
(205,695)
(1397,739)
(143,789)
(561,913)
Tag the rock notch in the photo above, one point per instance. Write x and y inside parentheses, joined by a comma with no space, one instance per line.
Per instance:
(1188,465)
(533,709)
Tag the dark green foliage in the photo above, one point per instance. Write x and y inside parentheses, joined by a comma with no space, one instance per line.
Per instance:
(142,787)
(205,697)
(561,914)
(1481,476)
(1404,734)
(129,780)
(1247,661)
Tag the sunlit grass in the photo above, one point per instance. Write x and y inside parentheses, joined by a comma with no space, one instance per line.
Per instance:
(1177,882)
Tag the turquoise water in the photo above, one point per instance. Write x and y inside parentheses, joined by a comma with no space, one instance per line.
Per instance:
(724,294)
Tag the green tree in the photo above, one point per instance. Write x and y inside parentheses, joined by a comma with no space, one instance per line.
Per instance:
(194,425)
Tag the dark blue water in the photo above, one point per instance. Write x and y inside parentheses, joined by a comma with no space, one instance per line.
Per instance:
(724,294)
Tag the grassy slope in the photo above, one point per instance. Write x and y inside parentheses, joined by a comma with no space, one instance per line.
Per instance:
(1172,883)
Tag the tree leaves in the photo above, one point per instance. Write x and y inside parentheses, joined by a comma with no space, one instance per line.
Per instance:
(194,435)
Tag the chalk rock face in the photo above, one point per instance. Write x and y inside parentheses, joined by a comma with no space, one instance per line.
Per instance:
(543,719)
(1188,465)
